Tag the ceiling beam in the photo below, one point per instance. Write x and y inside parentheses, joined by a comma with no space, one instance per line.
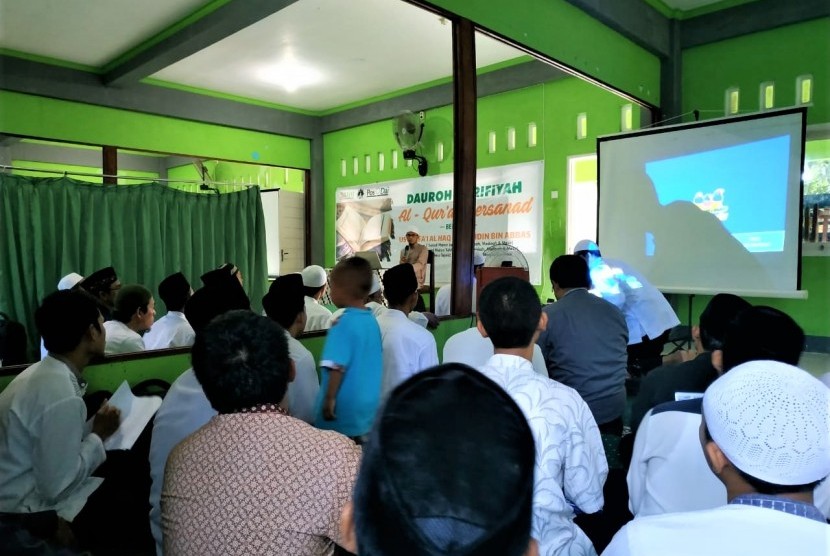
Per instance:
(212,28)
(745,19)
(633,19)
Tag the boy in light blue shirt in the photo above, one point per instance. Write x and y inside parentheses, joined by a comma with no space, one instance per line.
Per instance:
(351,360)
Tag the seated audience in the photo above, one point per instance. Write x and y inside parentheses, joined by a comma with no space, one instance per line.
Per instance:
(376,304)
(448,470)
(228,280)
(443,298)
(407,347)
(315,282)
(570,466)
(185,407)
(584,343)
(284,304)
(253,480)
(47,453)
(172,330)
(668,472)
(135,311)
(473,349)
(765,434)
(664,383)
(103,285)
(351,359)
(71,282)
(220,273)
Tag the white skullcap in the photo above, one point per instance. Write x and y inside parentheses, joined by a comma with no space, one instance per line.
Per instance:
(314,276)
(585,245)
(375,284)
(478,258)
(413,230)
(69,281)
(772,421)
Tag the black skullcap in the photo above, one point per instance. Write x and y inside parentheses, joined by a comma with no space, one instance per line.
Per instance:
(173,286)
(716,317)
(448,470)
(211,301)
(285,299)
(762,333)
(100,280)
(399,282)
(220,275)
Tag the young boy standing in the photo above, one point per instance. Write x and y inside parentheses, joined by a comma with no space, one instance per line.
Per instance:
(351,359)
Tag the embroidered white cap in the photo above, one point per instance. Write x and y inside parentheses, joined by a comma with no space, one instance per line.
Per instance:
(314,276)
(772,421)
(413,230)
(69,281)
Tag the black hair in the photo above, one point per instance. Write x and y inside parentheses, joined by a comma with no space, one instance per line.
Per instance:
(716,318)
(570,271)
(509,310)
(355,274)
(131,298)
(759,333)
(64,317)
(211,301)
(241,360)
(174,291)
(763,487)
(284,310)
(399,283)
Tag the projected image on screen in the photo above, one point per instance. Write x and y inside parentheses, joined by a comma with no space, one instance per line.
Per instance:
(707,207)
(744,186)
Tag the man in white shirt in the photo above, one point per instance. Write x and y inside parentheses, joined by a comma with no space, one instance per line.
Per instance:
(668,472)
(407,347)
(765,434)
(315,281)
(648,315)
(47,452)
(473,349)
(135,312)
(443,298)
(284,304)
(185,407)
(570,459)
(71,281)
(172,330)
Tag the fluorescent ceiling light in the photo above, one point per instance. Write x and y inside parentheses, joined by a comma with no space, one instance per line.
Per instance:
(291,75)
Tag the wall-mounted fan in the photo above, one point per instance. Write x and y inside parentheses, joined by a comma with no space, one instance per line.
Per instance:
(408,129)
(504,255)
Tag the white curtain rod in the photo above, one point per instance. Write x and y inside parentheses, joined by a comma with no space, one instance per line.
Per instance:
(68,173)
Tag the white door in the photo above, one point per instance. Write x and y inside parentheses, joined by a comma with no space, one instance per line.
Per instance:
(292,231)
(582,200)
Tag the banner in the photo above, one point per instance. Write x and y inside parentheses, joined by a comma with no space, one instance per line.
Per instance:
(508,210)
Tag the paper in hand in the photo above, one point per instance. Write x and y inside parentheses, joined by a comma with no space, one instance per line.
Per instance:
(136,412)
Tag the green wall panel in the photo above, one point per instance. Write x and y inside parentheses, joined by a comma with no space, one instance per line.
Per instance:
(779,55)
(569,35)
(84,123)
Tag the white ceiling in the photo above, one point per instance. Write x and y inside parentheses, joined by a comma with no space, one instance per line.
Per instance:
(89,32)
(354,50)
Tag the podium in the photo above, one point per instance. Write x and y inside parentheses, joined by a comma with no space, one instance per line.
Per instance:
(487,274)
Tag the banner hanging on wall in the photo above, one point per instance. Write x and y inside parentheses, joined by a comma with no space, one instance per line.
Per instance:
(508,210)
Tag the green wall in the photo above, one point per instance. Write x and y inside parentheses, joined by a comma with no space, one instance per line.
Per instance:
(568,35)
(552,106)
(779,55)
(146,176)
(84,123)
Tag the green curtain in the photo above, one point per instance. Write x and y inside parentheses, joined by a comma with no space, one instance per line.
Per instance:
(50,227)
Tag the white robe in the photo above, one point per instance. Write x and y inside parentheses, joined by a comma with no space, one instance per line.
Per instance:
(317,316)
(473,349)
(121,339)
(302,392)
(170,331)
(407,349)
(444,297)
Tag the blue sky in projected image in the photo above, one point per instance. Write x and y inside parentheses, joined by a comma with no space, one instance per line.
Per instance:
(753,177)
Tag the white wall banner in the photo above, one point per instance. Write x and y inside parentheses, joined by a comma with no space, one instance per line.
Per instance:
(508,210)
